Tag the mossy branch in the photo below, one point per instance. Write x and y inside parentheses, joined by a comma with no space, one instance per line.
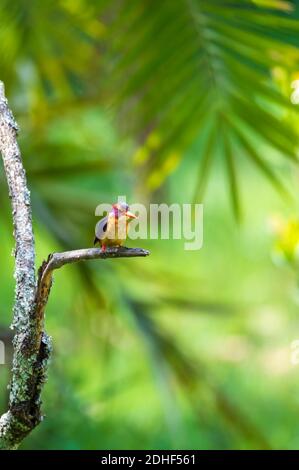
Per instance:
(32,346)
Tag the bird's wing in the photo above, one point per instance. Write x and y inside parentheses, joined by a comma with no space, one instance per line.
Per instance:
(101,228)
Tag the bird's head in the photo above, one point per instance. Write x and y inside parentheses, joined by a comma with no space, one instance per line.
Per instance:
(122,209)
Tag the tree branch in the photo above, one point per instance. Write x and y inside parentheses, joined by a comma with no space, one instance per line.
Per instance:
(57,260)
(32,346)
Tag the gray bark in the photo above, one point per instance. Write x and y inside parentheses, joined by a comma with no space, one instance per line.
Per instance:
(32,346)
(57,260)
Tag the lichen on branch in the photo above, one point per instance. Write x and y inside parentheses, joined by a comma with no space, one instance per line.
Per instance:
(32,346)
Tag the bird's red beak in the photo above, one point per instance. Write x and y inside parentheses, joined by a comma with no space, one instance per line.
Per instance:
(130,215)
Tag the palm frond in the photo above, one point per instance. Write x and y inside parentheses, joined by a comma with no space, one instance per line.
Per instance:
(186,59)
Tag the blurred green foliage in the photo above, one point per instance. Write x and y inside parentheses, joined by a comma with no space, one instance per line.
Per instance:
(144,98)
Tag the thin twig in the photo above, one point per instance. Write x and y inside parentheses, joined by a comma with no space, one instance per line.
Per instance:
(57,260)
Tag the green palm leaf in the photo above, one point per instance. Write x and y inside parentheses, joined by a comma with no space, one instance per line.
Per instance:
(199,52)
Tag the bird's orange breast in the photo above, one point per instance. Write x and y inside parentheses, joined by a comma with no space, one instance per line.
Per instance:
(116,233)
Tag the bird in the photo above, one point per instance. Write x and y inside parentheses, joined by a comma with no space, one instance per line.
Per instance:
(112,230)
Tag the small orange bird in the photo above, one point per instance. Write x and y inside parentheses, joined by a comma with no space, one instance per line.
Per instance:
(112,230)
